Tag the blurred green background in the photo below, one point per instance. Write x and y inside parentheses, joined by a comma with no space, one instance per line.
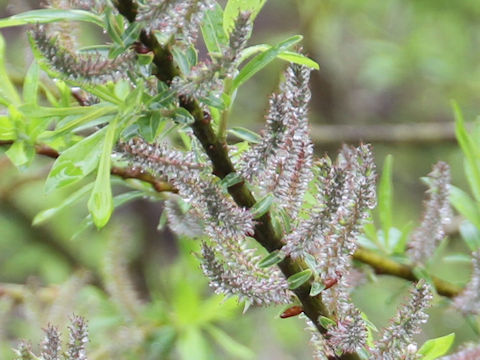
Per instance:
(388,71)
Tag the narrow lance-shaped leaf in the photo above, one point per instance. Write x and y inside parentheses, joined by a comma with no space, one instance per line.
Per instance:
(212,30)
(100,203)
(44,16)
(290,56)
(262,60)
(299,279)
(470,151)
(30,85)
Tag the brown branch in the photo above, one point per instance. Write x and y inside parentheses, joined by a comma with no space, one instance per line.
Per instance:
(124,173)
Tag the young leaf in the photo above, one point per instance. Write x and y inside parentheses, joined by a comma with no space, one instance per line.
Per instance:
(326,322)
(262,60)
(234,7)
(262,206)
(290,56)
(231,179)
(7,90)
(299,279)
(434,348)
(212,30)
(271,259)
(7,129)
(20,153)
(317,288)
(471,235)
(470,150)
(246,134)
(69,201)
(30,85)
(76,162)
(43,16)
(100,203)
(385,198)
(231,346)
(462,202)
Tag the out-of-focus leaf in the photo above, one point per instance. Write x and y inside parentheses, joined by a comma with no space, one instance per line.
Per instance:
(230,345)
(30,85)
(471,235)
(470,150)
(7,90)
(7,129)
(464,204)
(69,201)
(20,153)
(434,348)
(271,259)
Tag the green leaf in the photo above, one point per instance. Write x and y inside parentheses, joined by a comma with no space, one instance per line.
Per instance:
(212,30)
(95,113)
(385,198)
(20,153)
(43,112)
(231,179)
(317,288)
(182,116)
(262,60)
(299,279)
(464,204)
(43,16)
(7,129)
(192,338)
(326,322)
(231,346)
(30,85)
(7,90)
(470,150)
(76,162)
(245,134)
(118,200)
(434,348)
(69,201)
(271,259)
(471,235)
(262,206)
(290,56)
(234,7)
(100,203)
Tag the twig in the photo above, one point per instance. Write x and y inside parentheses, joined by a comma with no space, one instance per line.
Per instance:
(124,173)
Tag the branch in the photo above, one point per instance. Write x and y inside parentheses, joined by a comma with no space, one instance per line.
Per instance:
(124,173)
(384,265)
